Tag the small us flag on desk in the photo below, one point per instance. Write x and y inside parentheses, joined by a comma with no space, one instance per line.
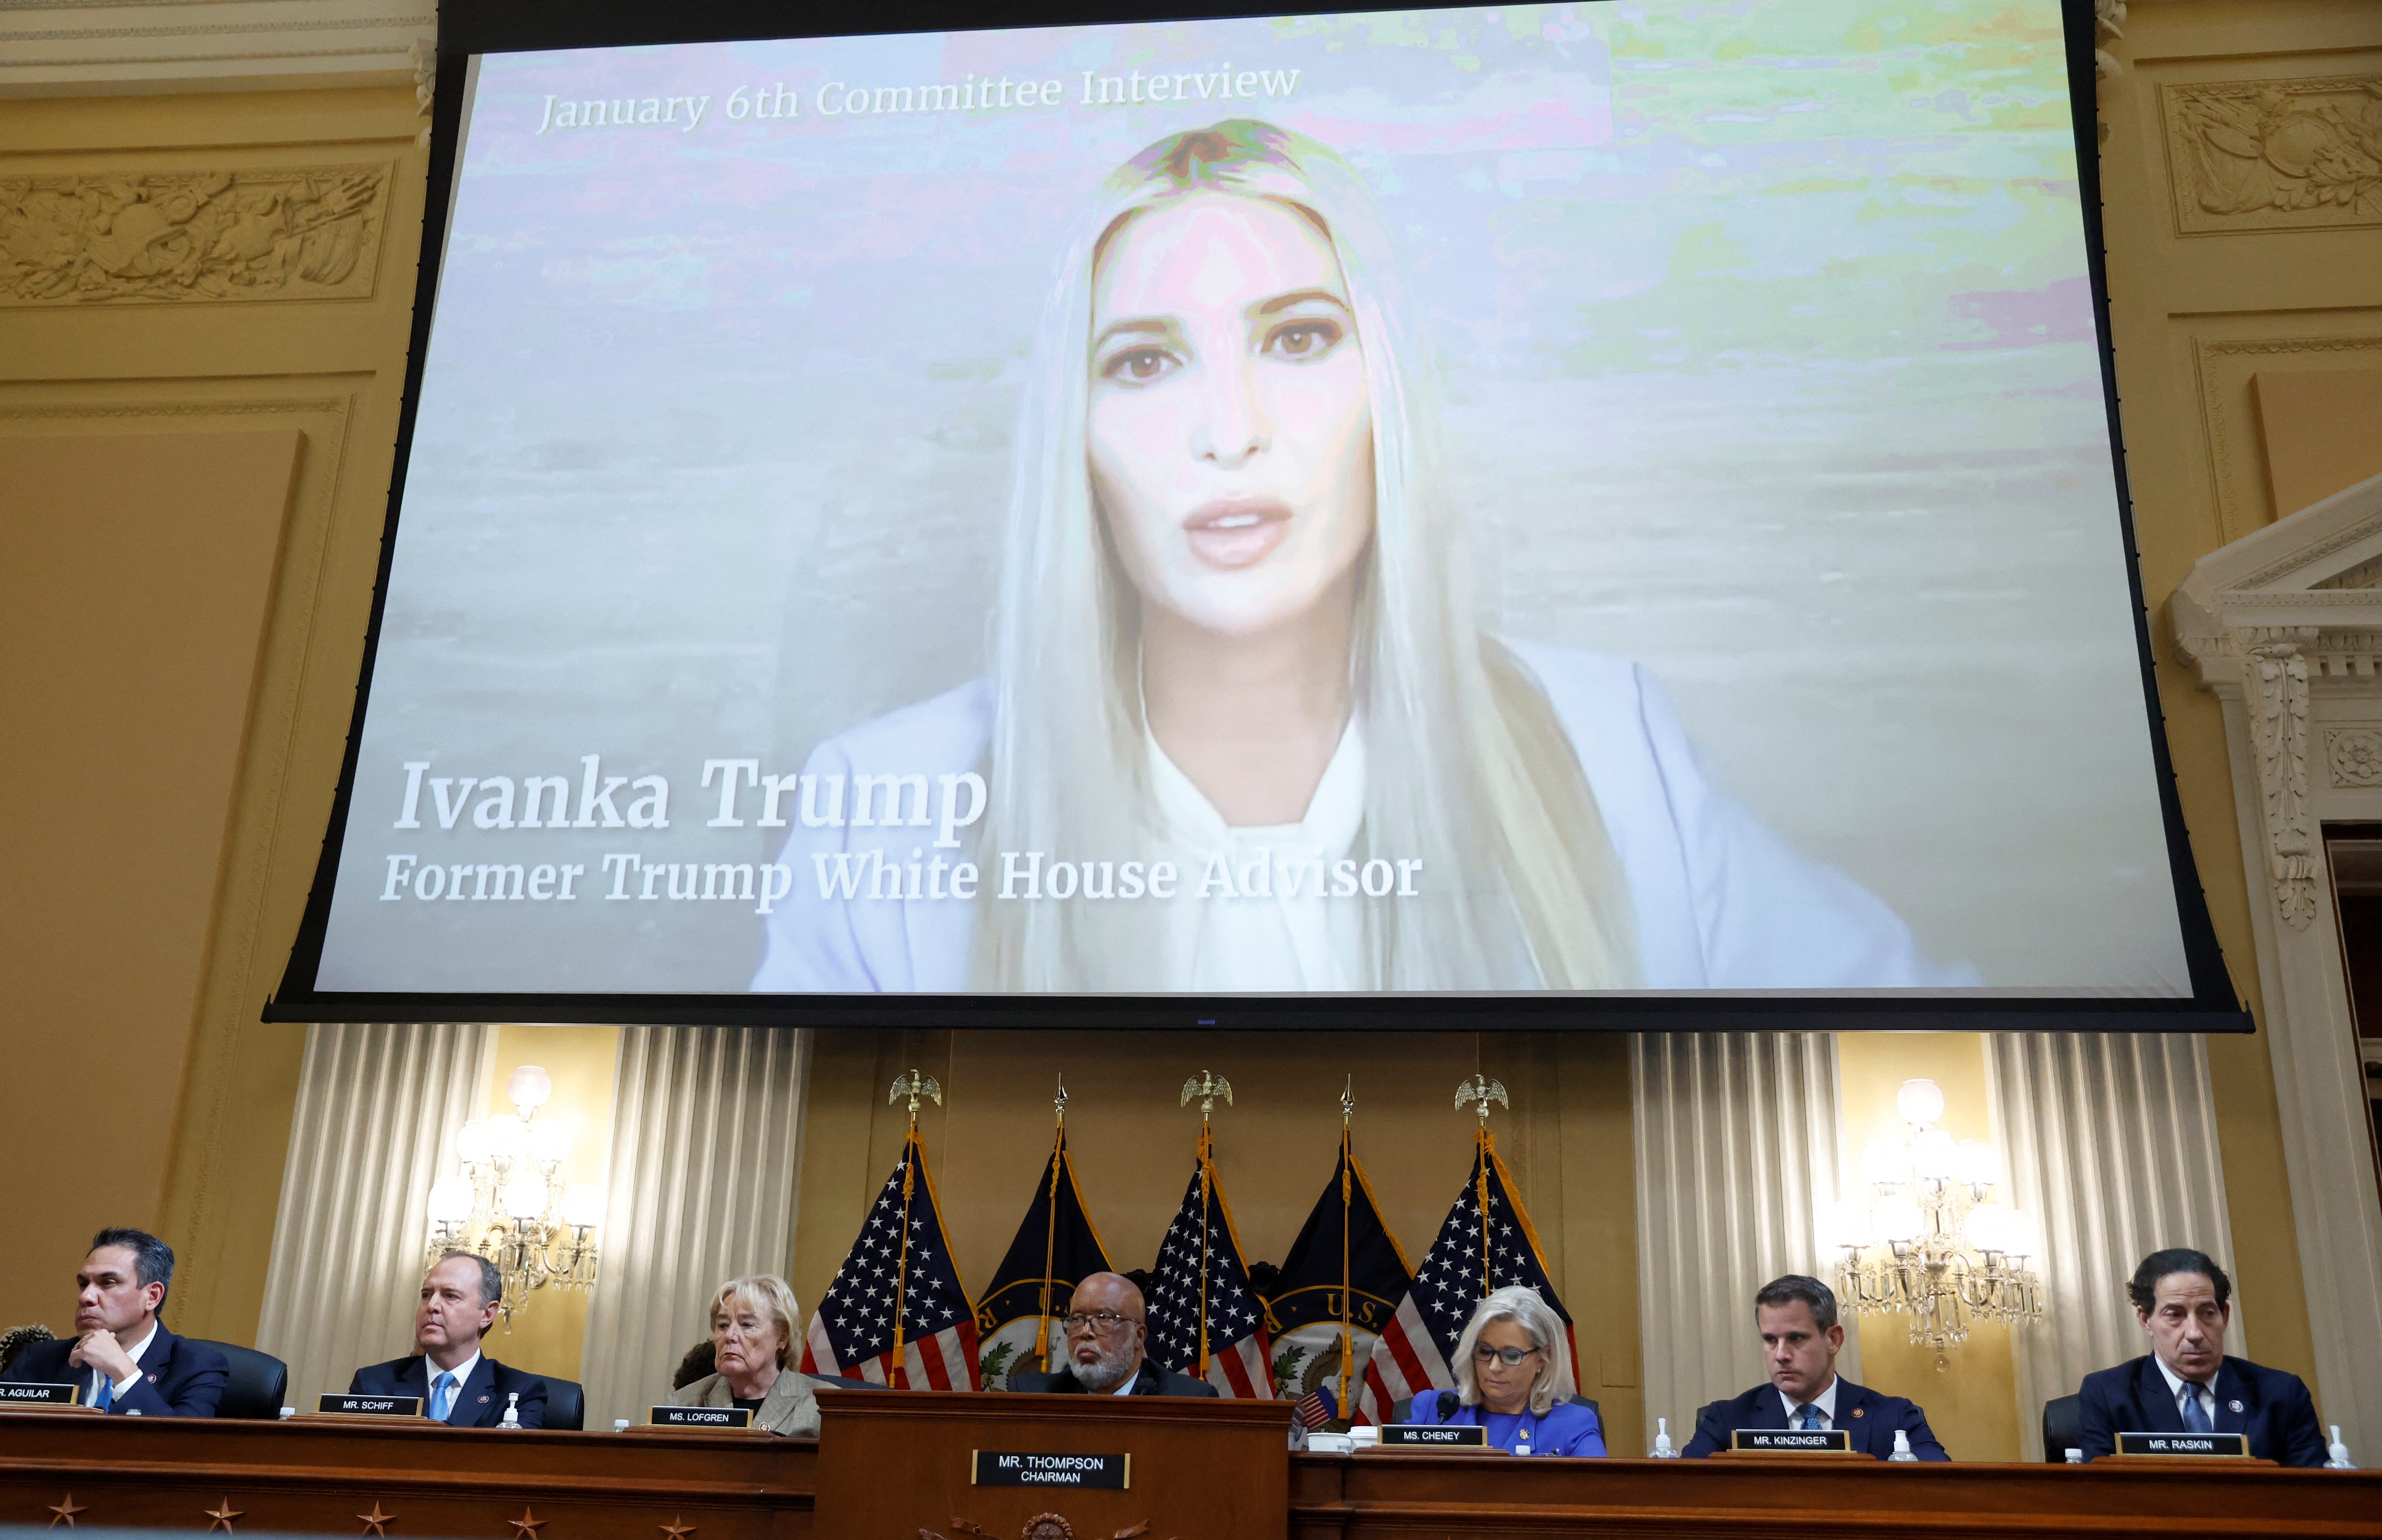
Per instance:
(1204,1320)
(897,1313)
(1487,1243)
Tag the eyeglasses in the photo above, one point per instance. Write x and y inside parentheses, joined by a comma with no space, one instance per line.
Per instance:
(1103,1322)
(1509,1356)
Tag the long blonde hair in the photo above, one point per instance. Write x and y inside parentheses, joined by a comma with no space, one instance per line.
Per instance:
(1467,768)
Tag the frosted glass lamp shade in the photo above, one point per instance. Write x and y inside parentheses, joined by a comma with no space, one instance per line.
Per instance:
(1848,1225)
(450,1200)
(1899,1219)
(549,1143)
(2024,1239)
(1885,1162)
(523,1197)
(530,1087)
(583,1205)
(508,1138)
(1933,1155)
(1989,1228)
(472,1141)
(1981,1164)
(1920,1101)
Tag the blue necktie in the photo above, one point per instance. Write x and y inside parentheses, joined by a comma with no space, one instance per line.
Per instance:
(1811,1423)
(2194,1420)
(442,1398)
(106,1396)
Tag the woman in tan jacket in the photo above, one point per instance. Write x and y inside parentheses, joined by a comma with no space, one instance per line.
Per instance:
(753,1341)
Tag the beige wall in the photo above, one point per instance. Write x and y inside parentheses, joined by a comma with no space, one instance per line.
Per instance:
(135,392)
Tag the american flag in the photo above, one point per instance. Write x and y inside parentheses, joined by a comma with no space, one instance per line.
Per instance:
(1204,1320)
(1487,1242)
(897,1313)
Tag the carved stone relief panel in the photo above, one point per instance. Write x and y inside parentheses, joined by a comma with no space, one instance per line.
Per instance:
(2247,155)
(279,233)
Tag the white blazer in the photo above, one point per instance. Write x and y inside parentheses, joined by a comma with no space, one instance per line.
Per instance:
(1721,902)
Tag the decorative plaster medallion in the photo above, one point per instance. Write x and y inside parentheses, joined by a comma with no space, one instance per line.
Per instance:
(2355,753)
(298,233)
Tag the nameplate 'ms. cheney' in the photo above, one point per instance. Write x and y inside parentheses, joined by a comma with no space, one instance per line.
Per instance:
(1431,1436)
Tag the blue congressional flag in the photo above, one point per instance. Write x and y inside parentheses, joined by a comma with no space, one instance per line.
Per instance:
(1344,1253)
(1487,1242)
(897,1313)
(1056,1247)
(1205,1319)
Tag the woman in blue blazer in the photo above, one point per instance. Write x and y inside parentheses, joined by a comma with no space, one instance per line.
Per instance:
(1512,1376)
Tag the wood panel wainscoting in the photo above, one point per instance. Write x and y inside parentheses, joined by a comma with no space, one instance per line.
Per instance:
(391,1482)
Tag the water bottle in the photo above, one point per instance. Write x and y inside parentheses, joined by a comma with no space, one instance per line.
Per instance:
(620,1424)
(1662,1449)
(2075,1457)
(2338,1455)
(1901,1449)
(512,1412)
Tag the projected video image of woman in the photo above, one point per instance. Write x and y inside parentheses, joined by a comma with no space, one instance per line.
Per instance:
(1244,730)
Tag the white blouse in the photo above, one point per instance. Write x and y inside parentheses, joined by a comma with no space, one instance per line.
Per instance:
(1278,933)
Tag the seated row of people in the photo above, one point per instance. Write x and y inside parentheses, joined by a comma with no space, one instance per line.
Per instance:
(1513,1375)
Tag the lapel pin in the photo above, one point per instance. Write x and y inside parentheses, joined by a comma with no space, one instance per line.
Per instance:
(1857,1410)
(2232,1406)
(483,1400)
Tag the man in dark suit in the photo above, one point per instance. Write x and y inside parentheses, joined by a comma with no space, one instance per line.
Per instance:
(122,1356)
(1107,1323)
(1800,1338)
(457,1386)
(2186,1384)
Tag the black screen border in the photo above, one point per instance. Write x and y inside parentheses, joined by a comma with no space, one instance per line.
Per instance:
(475,27)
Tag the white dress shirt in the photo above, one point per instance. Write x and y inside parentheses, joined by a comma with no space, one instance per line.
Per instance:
(1825,1401)
(91,1391)
(2180,1387)
(430,1373)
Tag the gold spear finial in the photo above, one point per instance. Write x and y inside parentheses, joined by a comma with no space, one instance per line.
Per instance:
(1207,1085)
(1482,1089)
(1059,1102)
(1348,1101)
(912,1084)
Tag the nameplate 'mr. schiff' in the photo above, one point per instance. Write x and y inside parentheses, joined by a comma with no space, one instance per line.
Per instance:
(340,1404)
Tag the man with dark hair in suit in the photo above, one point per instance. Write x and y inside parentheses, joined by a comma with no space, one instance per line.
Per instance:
(1107,1323)
(122,1357)
(2186,1384)
(458,1386)
(1800,1338)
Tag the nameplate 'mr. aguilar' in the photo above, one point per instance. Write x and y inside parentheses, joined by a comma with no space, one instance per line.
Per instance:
(33,1394)
(1430,1435)
(1792,1441)
(700,1417)
(2199,1446)
(343,1405)
(995,1468)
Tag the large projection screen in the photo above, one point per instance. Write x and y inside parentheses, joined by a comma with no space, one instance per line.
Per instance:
(1585,514)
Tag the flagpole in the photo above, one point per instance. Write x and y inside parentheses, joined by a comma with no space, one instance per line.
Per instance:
(913,1085)
(1347,1180)
(1207,1086)
(1482,1089)
(1050,1239)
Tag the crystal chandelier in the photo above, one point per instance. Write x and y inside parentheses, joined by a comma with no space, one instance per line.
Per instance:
(1933,1243)
(509,1206)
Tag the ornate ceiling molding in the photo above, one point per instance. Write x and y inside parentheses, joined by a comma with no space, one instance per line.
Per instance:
(77,47)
